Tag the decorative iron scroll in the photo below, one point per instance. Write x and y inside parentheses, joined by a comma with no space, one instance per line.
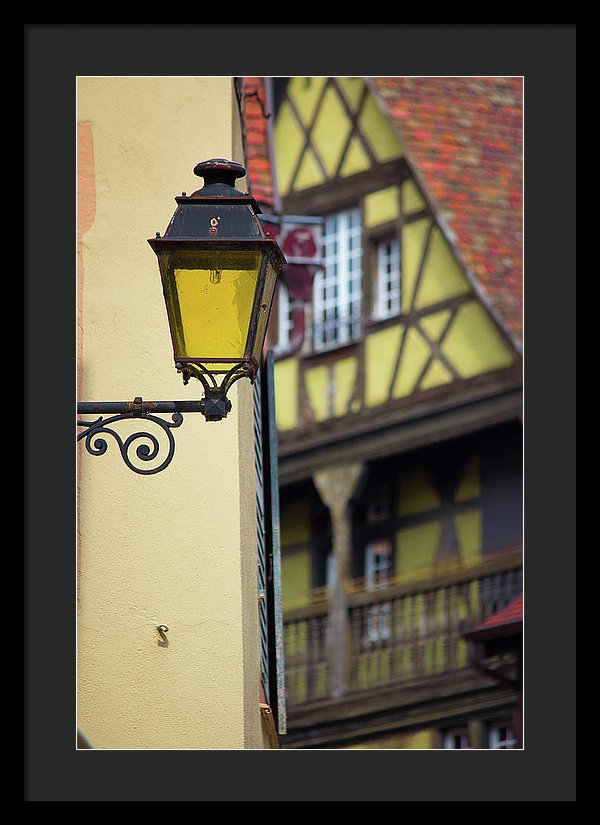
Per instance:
(148,450)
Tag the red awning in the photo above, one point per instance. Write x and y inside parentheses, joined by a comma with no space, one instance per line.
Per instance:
(505,622)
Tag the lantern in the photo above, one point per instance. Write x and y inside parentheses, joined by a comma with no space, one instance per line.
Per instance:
(219,272)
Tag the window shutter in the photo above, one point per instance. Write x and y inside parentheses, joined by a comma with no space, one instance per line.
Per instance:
(269,557)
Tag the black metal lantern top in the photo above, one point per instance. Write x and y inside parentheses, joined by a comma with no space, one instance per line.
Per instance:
(195,218)
(219,272)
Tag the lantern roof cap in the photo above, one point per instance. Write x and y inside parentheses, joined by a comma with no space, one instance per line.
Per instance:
(219,177)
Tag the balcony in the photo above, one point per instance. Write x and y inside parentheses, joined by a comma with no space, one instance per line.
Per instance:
(408,633)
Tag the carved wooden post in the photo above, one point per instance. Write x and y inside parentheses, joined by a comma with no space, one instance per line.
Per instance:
(335,487)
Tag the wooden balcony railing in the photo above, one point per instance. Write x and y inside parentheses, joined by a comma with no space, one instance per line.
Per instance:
(403,632)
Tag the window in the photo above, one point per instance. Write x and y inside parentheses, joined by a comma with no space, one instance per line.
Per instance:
(387,280)
(378,570)
(337,287)
(502,736)
(456,739)
(284,319)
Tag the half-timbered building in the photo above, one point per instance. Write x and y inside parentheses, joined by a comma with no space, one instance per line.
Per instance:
(398,389)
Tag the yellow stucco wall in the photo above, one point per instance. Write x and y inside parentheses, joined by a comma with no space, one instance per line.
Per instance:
(177,548)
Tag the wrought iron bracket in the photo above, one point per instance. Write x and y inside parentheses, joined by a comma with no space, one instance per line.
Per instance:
(215,403)
(143,444)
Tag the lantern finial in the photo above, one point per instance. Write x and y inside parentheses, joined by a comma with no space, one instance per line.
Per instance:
(219,176)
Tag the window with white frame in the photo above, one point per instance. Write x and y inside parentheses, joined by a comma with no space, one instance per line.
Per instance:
(284,316)
(337,291)
(502,736)
(387,280)
(456,739)
(378,570)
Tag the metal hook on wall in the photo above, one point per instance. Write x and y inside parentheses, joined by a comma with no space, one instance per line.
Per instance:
(162,629)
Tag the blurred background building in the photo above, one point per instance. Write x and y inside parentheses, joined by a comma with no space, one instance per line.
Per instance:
(398,380)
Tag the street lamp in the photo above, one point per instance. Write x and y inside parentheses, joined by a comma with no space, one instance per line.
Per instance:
(219,271)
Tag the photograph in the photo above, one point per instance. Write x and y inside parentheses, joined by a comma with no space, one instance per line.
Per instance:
(326,551)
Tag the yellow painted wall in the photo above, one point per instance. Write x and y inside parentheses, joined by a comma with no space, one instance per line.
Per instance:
(286,393)
(295,522)
(318,391)
(413,238)
(442,275)
(344,379)
(414,357)
(381,206)
(295,559)
(469,484)
(417,493)
(473,343)
(412,200)
(417,549)
(468,530)
(178,548)
(296,579)
(418,740)
(329,391)
(380,359)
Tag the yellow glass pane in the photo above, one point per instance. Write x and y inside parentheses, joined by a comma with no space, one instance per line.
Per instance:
(210,298)
(264,310)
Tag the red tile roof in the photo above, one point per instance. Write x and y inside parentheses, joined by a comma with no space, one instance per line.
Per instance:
(509,619)
(463,137)
(258,160)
